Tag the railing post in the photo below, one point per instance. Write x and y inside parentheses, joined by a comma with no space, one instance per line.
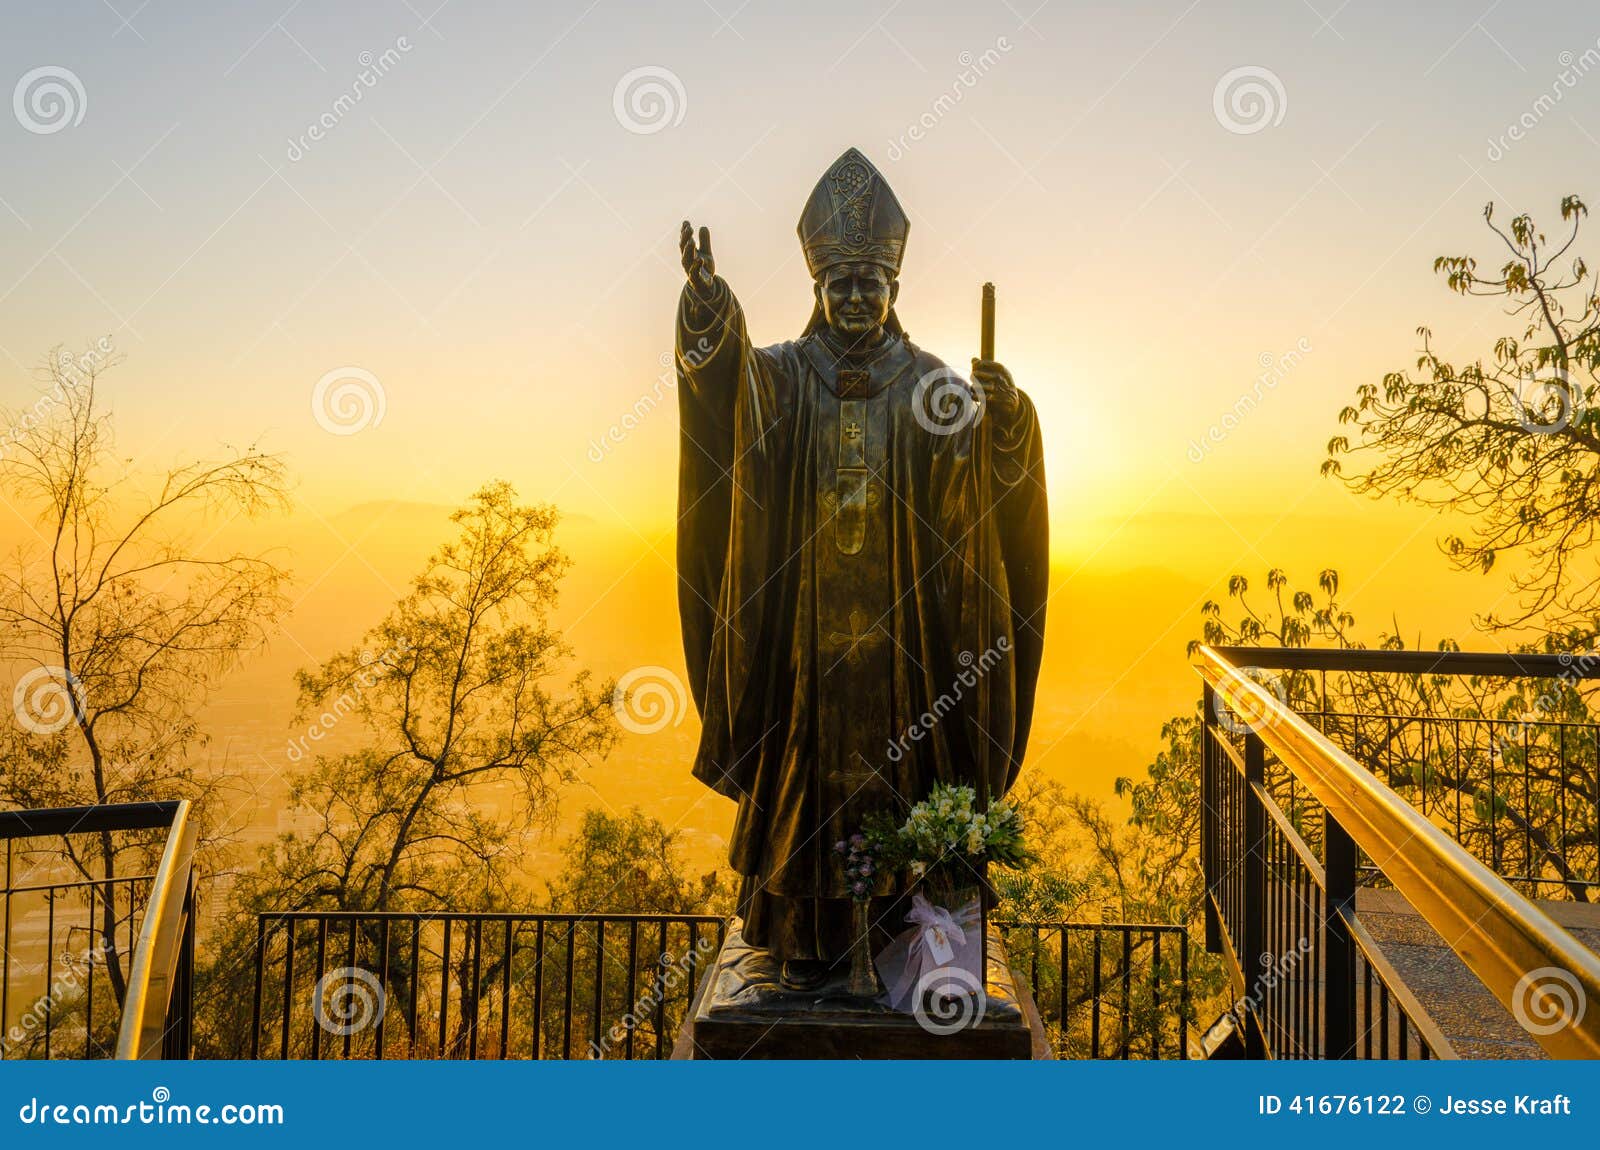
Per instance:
(1252,960)
(255,1009)
(1338,945)
(5,948)
(1208,816)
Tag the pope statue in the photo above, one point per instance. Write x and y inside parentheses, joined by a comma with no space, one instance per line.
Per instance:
(837,555)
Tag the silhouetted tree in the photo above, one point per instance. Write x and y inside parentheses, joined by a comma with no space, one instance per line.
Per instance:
(466,742)
(1510,442)
(632,863)
(120,616)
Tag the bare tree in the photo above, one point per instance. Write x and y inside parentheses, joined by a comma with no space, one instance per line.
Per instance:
(120,616)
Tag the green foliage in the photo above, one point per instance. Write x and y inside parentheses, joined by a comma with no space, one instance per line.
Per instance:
(468,746)
(1292,618)
(1062,882)
(632,863)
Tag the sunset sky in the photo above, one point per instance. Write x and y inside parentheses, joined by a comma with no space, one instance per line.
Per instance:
(1170,198)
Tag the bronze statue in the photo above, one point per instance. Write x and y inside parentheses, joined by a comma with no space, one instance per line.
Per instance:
(833,562)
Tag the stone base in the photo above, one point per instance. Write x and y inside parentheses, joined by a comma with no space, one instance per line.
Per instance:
(742,1011)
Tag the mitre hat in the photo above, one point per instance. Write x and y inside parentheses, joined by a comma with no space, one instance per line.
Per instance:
(853,217)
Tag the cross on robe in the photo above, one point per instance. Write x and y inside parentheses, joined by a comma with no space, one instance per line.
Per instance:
(860,639)
(856,773)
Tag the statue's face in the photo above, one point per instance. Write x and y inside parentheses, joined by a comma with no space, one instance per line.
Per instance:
(856,298)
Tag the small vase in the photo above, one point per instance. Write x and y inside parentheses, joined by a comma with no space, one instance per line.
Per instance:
(863,976)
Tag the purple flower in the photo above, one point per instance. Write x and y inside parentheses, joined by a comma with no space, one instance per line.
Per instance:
(839,846)
(866,866)
(858,889)
(858,840)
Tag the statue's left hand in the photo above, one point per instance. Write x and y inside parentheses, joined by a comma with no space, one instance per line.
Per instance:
(997,385)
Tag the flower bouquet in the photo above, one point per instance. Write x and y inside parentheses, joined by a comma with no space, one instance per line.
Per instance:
(945,845)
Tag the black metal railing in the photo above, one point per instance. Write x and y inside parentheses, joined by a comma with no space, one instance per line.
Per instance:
(377,985)
(96,964)
(1106,989)
(1483,745)
(357,985)
(1288,816)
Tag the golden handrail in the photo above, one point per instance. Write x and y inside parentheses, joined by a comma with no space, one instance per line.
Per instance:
(160,947)
(1502,937)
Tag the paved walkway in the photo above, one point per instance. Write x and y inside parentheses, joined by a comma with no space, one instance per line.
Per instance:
(1472,1018)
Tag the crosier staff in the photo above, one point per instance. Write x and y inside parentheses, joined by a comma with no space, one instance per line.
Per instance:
(982,449)
(983,467)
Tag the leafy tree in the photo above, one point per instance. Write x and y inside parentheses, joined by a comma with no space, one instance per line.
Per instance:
(1061,883)
(629,863)
(1510,442)
(632,863)
(1093,866)
(468,744)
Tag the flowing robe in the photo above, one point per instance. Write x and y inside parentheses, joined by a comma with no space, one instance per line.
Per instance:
(831,555)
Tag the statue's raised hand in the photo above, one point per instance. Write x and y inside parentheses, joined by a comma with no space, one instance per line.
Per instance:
(698,262)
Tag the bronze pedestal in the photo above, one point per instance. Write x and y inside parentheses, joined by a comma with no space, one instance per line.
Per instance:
(742,1011)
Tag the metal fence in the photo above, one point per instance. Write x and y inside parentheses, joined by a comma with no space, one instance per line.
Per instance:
(448,985)
(619,986)
(1106,989)
(79,949)
(1289,819)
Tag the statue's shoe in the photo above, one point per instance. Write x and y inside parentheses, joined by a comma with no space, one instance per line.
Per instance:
(803,974)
